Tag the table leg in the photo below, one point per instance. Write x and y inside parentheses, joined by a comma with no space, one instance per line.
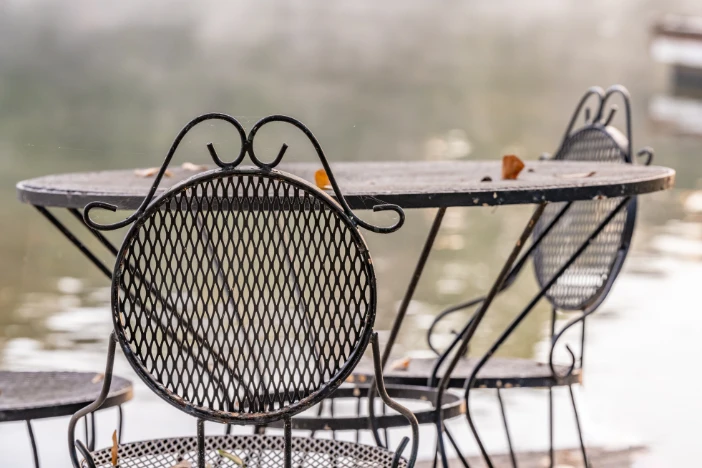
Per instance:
(412,286)
(75,241)
(475,321)
(34,444)
(402,311)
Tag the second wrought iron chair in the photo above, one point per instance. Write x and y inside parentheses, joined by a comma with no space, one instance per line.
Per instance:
(243,296)
(578,249)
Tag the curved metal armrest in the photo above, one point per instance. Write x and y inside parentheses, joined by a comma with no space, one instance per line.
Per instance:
(74,444)
(396,406)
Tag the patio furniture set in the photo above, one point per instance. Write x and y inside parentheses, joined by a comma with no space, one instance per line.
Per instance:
(246,295)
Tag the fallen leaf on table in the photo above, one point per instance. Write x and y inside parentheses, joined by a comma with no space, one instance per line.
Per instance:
(231,457)
(322,179)
(400,364)
(578,175)
(150,172)
(511,167)
(113,452)
(97,378)
(487,178)
(188,166)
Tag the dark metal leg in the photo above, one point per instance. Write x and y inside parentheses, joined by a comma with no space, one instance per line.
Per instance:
(35,453)
(477,318)
(91,444)
(507,433)
(409,294)
(456,448)
(577,424)
(288,442)
(358,413)
(331,413)
(120,423)
(200,443)
(402,311)
(75,241)
(518,319)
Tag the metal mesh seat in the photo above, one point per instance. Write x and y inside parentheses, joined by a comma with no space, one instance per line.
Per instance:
(244,296)
(583,282)
(254,451)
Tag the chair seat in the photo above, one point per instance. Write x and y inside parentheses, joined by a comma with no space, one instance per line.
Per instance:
(497,373)
(255,451)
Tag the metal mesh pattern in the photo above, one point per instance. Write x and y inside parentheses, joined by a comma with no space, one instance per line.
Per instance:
(255,451)
(584,280)
(243,293)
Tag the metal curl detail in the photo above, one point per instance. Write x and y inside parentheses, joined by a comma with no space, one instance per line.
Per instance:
(648,152)
(247,146)
(325,164)
(152,191)
(603,115)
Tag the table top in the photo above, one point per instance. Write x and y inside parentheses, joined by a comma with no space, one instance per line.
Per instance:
(422,184)
(36,395)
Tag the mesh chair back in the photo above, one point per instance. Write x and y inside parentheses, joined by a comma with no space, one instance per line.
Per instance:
(243,294)
(585,281)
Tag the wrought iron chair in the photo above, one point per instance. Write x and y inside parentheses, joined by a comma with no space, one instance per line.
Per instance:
(578,249)
(243,296)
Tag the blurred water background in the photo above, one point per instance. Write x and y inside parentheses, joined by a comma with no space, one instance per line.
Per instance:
(87,86)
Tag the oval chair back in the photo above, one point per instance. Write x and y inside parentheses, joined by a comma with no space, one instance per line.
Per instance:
(586,282)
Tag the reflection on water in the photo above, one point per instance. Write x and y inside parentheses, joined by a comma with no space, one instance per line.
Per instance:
(85,87)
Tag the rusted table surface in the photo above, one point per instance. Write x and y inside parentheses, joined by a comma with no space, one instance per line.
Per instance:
(421,184)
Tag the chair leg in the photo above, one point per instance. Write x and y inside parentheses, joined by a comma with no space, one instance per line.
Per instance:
(512,455)
(580,431)
(35,453)
(551,454)
(288,443)
(120,422)
(200,443)
(456,448)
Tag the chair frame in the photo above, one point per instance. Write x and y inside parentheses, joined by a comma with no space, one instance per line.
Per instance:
(459,346)
(262,170)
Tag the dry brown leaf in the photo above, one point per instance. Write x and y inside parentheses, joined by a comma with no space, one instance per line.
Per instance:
(97,378)
(150,172)
(577,175)
(231,457)
(113,452)
(511,167)
(400,364)
(322,179)
(188,166)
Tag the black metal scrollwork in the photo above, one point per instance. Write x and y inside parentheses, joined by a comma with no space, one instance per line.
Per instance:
(247,147)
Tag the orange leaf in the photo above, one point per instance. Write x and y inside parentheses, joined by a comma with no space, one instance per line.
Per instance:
(511,167)
(114,448)
(322,179)
(401,364)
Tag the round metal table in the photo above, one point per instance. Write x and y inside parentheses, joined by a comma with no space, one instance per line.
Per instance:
(25,396)
(420,184)
(364,184)
(408,184)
